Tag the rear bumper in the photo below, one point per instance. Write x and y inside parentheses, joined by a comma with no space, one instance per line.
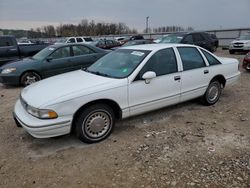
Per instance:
(40,128)
(233,79)
(9,79)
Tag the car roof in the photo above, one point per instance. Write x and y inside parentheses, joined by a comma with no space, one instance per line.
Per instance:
(153,47)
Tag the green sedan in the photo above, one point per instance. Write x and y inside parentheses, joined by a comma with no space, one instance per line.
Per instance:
(53,60)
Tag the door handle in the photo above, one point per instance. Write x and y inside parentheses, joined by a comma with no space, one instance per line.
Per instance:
(206,71)
(177,78)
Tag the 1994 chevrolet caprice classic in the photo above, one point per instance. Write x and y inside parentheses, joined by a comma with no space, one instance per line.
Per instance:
(126,82)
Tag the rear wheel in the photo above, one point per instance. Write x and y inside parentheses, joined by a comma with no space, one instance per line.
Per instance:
(30,78)
(213,93)
(95,123)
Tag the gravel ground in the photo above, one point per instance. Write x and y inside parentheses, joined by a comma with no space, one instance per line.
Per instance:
(187,145)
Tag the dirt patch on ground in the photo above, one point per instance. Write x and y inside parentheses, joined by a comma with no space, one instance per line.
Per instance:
(186,145)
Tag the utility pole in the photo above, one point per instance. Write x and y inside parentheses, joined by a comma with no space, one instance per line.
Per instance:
(147,24)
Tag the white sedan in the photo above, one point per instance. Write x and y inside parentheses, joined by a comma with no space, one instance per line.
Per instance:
(126,82)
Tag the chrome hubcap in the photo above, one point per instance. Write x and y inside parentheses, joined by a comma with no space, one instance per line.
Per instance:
(30,80)
(248,67)
(213,93)
(97,124)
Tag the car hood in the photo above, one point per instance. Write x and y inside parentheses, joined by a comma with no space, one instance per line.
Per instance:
(240,41)
(65,87)
(19,63)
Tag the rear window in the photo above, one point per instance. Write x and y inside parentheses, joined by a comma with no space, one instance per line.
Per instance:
(6,42)
(211,59)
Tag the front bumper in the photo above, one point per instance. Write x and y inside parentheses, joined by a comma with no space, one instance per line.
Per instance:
(243,48)
(41,128)
(9,79)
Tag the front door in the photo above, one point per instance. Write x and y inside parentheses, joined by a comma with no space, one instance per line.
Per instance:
(161,91)
(60,61)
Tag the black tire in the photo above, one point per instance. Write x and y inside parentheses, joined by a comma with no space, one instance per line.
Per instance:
(231,51)
(95,123)
(212,93)
(29,78)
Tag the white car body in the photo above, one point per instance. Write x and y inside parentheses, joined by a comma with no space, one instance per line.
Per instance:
(240,45)
(76,40)
(67,93)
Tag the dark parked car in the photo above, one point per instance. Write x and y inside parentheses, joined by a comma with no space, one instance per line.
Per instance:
(10,50)
(53,60)
(135,42)
(105,44)
(136,37)
(201,39)
(246,62)
(215,40)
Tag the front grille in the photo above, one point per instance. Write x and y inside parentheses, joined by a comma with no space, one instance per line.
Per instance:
(238,45)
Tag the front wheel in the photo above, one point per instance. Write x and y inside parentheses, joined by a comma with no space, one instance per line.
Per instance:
(231,51)
(29,78)
(95,123)
(213,93)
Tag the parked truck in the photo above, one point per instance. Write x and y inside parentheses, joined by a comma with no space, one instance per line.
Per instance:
(10,50)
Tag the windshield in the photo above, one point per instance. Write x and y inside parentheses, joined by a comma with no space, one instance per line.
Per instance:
(118,64)
(171,39)
(43,53)
(244,37)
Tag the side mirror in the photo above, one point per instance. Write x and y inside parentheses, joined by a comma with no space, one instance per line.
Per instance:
(148,76)
(49,59)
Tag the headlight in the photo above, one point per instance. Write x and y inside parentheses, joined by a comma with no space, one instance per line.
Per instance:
(8,70)
(247,43)
(42,114)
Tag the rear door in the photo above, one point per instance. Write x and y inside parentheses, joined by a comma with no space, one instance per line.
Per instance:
(83,56)
(60,62)
(8,50)
(195,75)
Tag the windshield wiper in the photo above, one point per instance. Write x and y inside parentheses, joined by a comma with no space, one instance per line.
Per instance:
(97,73)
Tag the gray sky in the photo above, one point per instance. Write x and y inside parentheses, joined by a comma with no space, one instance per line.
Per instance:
(200,14)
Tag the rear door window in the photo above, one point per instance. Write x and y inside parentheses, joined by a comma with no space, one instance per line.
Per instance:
(79,40)
(61,53)
(81,50)
(191,58)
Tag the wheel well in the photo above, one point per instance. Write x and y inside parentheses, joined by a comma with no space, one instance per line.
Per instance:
(116,108)
(29,71)
(221,79)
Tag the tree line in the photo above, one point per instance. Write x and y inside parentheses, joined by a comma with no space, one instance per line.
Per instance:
(84,28)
